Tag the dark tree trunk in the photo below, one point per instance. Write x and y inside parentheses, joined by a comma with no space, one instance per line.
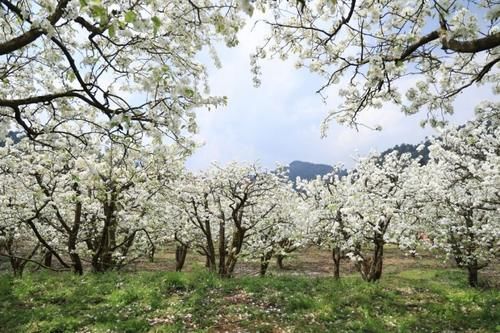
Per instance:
(279,261)
(235,249)
(17,264)
(77,263)
(96,265)
(17,267)
(264,262)
(107,257)
(222,248)
(180,257)
(371,267)
(473,276)
(73,237)
(211,260)
(103,258)
(472,267)
(47,259)
(336,256)
(207,261)
(263,266)
(152,254)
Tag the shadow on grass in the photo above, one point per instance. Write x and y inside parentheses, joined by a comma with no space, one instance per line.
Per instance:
(410,301)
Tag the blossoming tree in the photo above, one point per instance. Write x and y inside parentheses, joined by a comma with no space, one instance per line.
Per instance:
(372,49)
(461,194)
(329,229)
(120,64)
(377,208)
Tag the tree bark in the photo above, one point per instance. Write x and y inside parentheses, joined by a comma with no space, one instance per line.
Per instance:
(17,267)
(371,268)
(473,276)
(102,260)
(73,236)
(336,256)
(279,261)
(180,257)
(47,259)
(264,262)
(222,248)
(235,249)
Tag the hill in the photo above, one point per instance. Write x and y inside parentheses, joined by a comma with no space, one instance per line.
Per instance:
(15,136)
(307,170)
(412,149)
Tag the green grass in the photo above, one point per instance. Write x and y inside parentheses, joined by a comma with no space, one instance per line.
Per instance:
(408,301)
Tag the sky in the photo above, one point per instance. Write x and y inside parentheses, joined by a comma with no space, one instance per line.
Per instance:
(279,122)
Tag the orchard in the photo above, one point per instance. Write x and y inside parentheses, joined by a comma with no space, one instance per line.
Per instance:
(98,107)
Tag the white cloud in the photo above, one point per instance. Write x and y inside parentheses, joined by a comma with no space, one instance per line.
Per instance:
(280,121)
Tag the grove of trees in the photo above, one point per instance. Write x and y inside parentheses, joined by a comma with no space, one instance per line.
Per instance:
(104,207)
(104,96)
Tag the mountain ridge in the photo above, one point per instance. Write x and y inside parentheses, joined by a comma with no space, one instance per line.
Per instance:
(309,170)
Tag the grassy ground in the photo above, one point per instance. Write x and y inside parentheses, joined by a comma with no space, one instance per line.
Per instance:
(412,300)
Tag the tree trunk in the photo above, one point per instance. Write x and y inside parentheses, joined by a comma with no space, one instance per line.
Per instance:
(371,268)
(473,276)
(222,248)
(73,236)
(211,260)
(103,258)
(96,265)
(152,254)
(17,267)
(207,261)
(235,249)
(47,259)
(336,256)
(77,263)
(264,262)
(180,257)
(279,261)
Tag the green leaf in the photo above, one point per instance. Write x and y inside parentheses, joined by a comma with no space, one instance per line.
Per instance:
(219,27)
(101,13)
(130,16)
(156,24)
(83,3)
(188,92)
(71,76)
(103,20)
(98,11)
(112,31)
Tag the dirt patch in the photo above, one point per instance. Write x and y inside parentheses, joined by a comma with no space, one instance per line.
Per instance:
(314,261)
(240,298)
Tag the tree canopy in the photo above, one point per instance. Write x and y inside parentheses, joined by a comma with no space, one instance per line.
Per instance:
(120,67)
(419,55)
(130,68)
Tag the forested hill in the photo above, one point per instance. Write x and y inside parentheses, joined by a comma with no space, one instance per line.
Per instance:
(412,149)
(13,135)
(307,170)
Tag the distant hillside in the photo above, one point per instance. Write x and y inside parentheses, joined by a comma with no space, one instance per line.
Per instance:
(15,136)
(412,149)
(307,170)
